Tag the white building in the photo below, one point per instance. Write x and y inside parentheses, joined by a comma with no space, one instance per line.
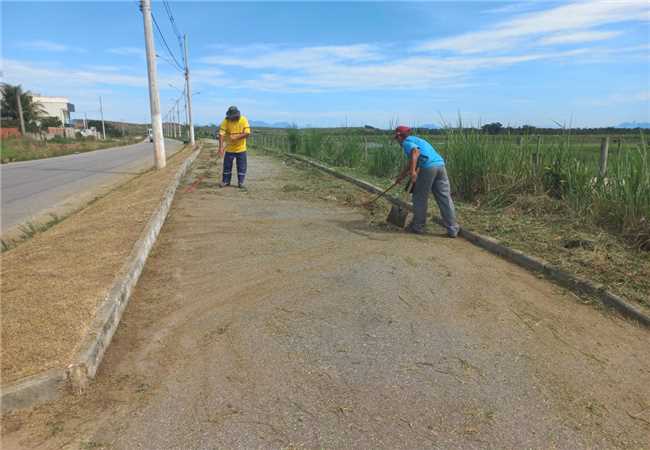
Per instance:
(56,107)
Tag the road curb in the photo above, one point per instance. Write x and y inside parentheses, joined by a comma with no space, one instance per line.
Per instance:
(33,390)
(50,385)
(565,279)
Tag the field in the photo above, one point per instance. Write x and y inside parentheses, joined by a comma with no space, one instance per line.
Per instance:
(17,149)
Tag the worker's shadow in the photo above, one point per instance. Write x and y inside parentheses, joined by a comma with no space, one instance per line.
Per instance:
(380,231)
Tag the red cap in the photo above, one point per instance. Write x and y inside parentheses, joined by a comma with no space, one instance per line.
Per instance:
(403,130)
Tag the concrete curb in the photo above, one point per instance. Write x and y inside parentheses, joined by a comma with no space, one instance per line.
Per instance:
(565,279)
(33,390)
(52,384)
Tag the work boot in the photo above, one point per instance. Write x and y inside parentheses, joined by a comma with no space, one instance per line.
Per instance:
(242,187)
(411,229)
(223,185)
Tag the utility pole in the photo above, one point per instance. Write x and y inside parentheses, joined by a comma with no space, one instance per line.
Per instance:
(154,99)
(185,108)
(85,121)
(20,111)
(178,118)
(173,114)
(188,85)
(101,110)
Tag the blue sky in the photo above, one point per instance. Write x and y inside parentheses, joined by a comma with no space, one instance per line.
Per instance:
(584,63)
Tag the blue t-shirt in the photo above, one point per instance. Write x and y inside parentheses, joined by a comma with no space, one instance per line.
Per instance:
(429,157)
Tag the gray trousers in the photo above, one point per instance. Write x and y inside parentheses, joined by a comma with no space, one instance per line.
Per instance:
(435,180)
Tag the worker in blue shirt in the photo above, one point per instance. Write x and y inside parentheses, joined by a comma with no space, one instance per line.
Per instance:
(427,171)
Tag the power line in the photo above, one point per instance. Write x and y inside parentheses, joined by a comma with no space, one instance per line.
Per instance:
(170,62)
(178,65)
(174,27)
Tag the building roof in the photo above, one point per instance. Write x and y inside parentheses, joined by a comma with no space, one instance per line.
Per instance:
(45,99)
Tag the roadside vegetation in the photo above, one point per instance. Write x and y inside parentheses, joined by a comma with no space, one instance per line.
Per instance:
(540,193)
(25,149)
(14,147)
(561,171)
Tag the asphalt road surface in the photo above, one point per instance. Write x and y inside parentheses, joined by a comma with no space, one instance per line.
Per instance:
(32,188)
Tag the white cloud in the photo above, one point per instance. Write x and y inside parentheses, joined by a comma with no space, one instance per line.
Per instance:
(514,7)
(127,51)
(575,17)
(49,46)
(294,58)
(30,74)
(578,37)
(320,71)
(621,98)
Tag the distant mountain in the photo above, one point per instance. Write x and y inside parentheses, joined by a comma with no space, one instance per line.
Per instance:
(633,125)
(260,123)
(431,126)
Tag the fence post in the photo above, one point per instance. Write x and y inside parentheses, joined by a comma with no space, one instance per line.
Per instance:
(365,148)
(604,148)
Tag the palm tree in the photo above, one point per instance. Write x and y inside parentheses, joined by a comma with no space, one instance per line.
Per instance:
(32,110)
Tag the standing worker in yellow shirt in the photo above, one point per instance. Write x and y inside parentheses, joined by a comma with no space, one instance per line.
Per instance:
(233,132)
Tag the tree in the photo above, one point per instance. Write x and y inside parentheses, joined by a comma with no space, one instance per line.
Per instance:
(111,129)
(32,110)
(492,128)
(53,122)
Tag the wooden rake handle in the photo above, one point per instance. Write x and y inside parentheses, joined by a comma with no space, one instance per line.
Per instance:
(383,193)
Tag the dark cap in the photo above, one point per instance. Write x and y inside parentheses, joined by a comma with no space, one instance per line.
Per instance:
(233,113)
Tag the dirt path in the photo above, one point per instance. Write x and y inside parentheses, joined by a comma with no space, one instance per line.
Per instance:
(279,318)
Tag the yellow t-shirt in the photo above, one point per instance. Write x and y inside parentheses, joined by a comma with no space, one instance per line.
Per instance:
(229,127)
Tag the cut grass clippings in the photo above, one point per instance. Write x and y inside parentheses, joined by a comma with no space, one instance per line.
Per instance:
(537,225)
(53,282)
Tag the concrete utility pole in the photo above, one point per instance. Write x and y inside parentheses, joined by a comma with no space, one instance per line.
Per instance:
(101,111)
(188,86)
(178,118)
(154,99)
(20,111)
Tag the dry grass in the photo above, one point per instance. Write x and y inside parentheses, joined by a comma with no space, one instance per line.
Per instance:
(543,227)
(51,284)
(538,225)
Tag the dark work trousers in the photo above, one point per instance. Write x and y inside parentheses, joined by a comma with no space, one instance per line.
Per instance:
(227,166)
(435,180)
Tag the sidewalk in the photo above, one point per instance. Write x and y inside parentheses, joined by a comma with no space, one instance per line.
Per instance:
(283,317)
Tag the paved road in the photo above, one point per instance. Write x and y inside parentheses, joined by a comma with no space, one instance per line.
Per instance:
(31,188)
